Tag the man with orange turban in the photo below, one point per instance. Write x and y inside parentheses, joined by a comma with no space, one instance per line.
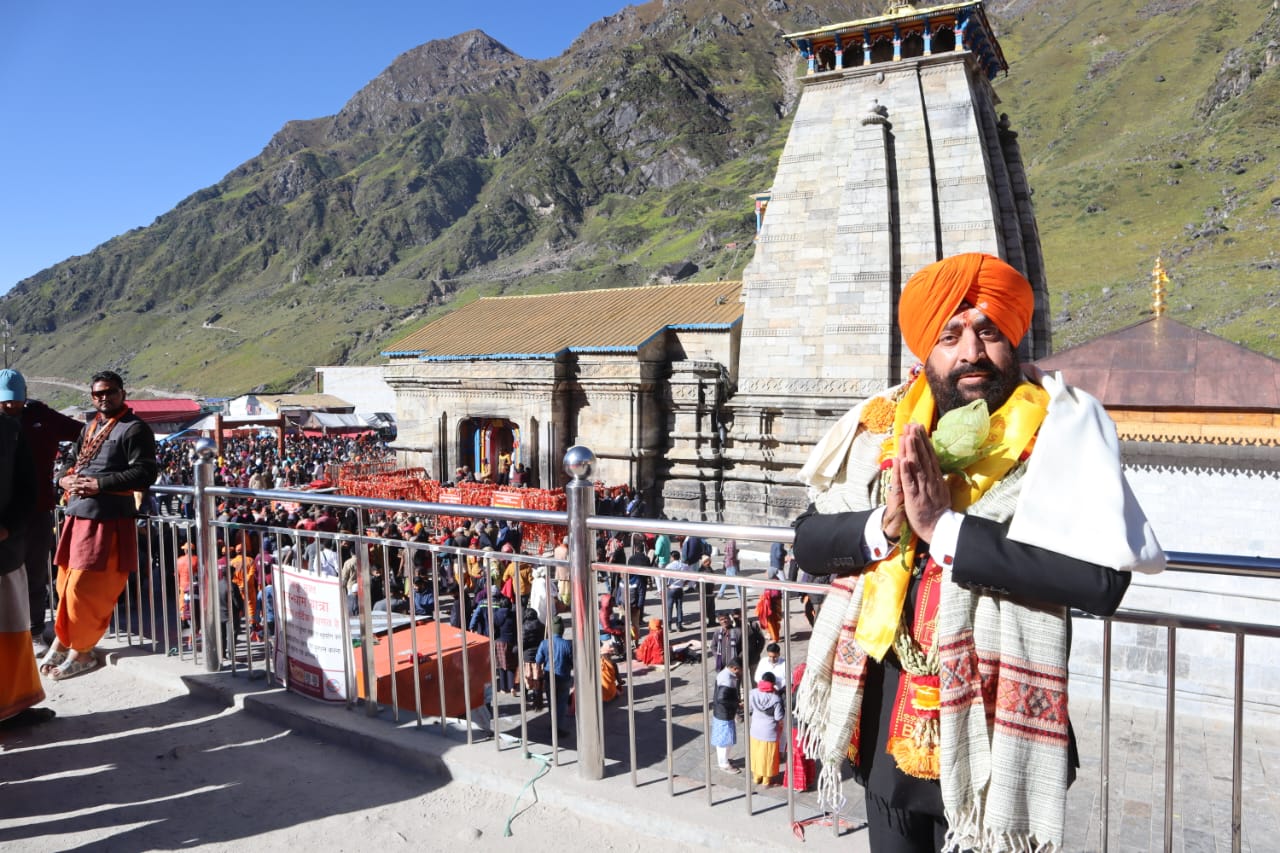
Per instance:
(965,512)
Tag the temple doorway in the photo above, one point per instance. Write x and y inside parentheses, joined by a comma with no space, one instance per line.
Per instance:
(490,447)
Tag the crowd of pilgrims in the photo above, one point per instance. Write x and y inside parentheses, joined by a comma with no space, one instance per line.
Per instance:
(256,463)
(485,588)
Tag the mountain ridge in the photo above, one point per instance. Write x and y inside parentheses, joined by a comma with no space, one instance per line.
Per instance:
(464,170)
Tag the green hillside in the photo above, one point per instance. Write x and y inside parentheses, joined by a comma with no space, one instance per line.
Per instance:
(465,170)
(1149,130)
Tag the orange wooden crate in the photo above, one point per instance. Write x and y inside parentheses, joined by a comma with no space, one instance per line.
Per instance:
(451,639)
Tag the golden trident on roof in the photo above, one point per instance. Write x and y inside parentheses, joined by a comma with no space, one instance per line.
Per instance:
(1158,280)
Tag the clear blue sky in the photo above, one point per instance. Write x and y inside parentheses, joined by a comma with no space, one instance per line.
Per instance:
(113,112)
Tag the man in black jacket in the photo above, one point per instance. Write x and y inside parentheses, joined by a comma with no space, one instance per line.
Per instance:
(938,662)
(115,457)
(726,708)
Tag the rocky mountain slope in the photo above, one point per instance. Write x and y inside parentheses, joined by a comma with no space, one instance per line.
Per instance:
(1149,129)
(465,170)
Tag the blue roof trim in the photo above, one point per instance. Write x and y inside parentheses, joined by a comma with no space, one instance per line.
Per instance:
(690,327)
(495,356)
(396,353)
(703,327)
(604,349)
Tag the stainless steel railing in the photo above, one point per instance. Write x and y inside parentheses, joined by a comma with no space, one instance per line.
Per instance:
(150,614)
(1172,624)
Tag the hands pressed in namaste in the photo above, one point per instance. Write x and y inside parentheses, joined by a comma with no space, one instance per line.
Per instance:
(918,490)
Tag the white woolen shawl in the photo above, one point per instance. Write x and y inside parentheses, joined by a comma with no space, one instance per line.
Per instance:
(1075,498)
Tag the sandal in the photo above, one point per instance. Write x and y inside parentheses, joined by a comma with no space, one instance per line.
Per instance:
(72,668)
(51,661)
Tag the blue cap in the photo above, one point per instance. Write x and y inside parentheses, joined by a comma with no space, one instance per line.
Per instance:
(12,386)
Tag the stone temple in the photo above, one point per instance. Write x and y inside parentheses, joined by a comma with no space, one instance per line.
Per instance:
(708,397)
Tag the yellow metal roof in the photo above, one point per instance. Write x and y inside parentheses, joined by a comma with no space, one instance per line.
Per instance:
(613,320)
(303,401)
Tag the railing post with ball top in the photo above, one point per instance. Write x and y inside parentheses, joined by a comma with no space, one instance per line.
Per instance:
(578,464)
(207,554)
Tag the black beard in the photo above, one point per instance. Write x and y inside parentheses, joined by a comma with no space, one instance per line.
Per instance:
(995,388)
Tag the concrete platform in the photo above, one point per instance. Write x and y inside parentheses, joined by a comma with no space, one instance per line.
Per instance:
(134,762)
(669,798)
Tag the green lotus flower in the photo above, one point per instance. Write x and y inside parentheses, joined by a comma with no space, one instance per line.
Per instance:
(959,441)
(960,435)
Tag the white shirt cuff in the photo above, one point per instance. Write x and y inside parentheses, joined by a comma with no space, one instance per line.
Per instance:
(877,547)
(946,533)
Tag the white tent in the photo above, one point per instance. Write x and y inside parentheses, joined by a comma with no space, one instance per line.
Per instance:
(329,422)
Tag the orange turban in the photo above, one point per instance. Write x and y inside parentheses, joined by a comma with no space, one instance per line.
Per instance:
(932,296)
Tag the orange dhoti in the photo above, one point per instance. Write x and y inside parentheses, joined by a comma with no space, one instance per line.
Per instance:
(95,559)
(244,574)
(608,679)
(19,679)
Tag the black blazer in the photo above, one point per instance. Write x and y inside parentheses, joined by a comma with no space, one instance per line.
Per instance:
(986,560)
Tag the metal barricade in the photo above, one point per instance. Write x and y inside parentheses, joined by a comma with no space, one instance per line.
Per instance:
(152,614)
(1214,565)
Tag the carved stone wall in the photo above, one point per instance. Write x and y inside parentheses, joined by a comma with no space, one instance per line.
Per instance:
(1208,499)
(690,472)
(434,399)
(618,404)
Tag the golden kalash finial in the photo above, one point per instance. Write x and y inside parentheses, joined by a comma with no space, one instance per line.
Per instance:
(1158,280)
(900,7)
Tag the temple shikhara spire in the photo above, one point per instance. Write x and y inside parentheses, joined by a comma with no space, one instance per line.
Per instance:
(897,157)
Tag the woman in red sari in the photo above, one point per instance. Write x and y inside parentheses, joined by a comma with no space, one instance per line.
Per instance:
(803,769)
(651,651)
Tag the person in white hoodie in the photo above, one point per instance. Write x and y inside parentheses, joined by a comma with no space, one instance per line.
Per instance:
(538,599)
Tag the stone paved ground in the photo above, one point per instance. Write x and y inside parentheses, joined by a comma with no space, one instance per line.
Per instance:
(1201,815)
(137,763)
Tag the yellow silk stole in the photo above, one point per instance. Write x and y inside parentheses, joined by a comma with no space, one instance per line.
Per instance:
(1013,428)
